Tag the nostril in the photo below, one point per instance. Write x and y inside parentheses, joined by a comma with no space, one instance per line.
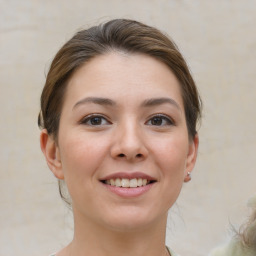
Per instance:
(137,156)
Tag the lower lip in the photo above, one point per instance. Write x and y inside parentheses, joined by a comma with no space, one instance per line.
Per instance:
(129,192)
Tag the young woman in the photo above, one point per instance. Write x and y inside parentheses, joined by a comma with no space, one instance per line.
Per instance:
(118,115)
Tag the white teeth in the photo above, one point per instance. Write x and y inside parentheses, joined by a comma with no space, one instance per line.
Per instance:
(127,183)
(139,182)
(117,183)
(133,183)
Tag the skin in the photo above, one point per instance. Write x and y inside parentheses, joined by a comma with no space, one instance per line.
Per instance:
(129,135)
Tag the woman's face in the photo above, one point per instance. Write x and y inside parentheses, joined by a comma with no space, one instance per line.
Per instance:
(123,146)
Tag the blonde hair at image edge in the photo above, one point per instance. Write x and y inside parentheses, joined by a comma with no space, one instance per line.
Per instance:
(244,242)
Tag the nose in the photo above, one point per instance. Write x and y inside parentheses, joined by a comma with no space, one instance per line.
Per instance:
(129,143)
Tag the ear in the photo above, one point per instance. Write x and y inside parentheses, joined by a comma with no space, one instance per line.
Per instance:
(192,154)
(52,154)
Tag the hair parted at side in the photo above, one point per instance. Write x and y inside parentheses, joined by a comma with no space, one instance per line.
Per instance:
(123,35)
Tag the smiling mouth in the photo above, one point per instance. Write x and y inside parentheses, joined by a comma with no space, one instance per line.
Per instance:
(128,183)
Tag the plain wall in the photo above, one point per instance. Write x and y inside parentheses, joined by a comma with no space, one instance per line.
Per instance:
(218,40)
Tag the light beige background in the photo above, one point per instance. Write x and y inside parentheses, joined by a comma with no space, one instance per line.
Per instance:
(218,40)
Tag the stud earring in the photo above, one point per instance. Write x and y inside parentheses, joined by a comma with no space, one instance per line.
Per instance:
(188,177)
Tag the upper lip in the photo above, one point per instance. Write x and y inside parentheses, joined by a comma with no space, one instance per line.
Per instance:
(128,175)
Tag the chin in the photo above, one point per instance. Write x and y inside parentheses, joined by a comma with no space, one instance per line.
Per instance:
(134,220)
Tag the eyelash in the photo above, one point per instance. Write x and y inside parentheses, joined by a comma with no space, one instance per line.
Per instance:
(162,117)
(89,118)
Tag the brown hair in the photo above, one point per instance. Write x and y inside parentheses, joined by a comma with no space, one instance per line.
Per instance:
(123,35)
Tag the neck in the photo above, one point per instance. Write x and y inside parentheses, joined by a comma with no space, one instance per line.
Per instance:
(94,240)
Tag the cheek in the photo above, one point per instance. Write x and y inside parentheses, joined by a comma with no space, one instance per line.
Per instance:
(171,154)
(170,158)
(81,155)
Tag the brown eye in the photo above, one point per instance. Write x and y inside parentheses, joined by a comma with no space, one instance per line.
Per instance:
(160,120)
(95,120)
(157,120)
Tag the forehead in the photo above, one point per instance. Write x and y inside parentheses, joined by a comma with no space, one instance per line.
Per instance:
(118,75)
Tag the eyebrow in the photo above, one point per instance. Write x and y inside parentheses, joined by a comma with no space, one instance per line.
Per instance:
(160,101)
(95,100)
(108,102)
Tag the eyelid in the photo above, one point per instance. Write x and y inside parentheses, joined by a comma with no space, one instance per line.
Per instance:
(88,117)
(164,116)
